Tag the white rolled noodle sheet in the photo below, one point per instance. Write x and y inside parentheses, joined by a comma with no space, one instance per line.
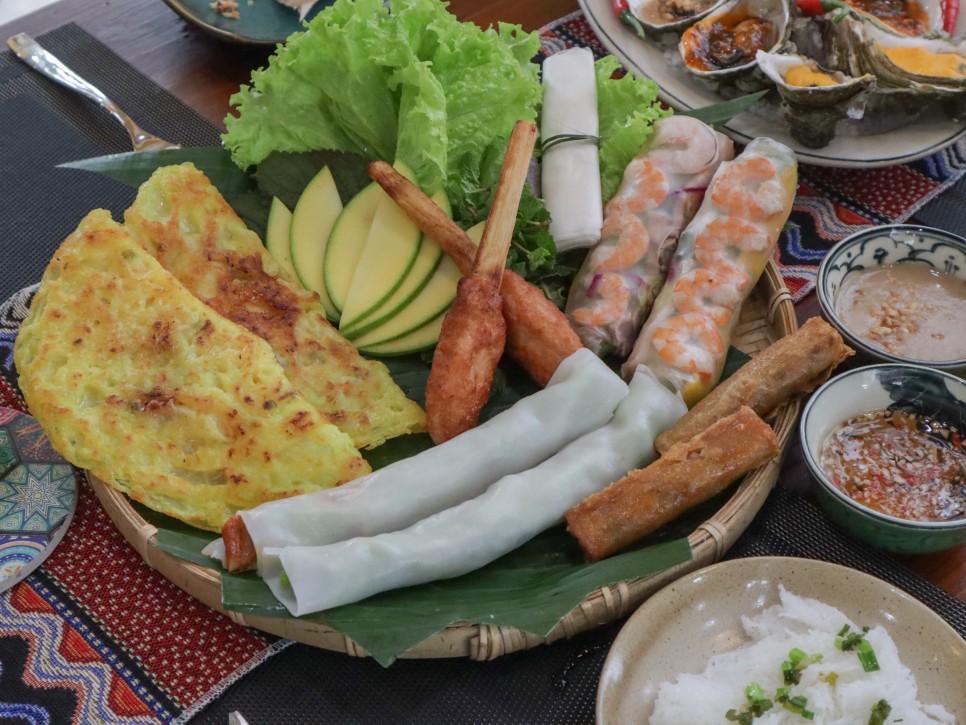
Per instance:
(463,538)
(570,176)
(580,396)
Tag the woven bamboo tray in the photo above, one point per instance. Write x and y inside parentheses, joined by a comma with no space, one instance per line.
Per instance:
(767,315)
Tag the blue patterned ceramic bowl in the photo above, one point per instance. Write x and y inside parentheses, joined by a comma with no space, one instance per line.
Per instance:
(910,388)
(889,245)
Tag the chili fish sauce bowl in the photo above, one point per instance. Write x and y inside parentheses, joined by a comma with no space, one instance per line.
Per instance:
(885,446)
(897,293)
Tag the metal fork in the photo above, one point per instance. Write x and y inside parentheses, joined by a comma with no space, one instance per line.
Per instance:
(34,55)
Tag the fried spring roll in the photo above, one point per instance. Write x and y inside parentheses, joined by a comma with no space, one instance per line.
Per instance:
(688,474)
(794,365)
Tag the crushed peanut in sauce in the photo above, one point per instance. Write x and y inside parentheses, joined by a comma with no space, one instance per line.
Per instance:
(907,309)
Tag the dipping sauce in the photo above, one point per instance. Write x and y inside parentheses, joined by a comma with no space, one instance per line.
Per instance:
(907,309)
(900,464)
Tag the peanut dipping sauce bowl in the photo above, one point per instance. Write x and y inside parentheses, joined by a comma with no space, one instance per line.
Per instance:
(891,245)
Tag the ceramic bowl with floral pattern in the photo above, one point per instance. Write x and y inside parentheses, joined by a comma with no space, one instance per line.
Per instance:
(884,248)
(933,403)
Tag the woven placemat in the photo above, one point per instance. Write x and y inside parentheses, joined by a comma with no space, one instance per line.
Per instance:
(45,125)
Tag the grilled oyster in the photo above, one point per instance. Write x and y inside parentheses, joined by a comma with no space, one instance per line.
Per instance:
(932,65)
(814,99)
(723,44)
(658,17)
(906,17)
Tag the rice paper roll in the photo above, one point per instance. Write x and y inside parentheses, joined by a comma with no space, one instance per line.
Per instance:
(660,193)
(463,538)
(570,175)
(720,256)
(581,396)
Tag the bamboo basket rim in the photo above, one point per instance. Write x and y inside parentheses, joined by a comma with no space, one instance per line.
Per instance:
(710,541)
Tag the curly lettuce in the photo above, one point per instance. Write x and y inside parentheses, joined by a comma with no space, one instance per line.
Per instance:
(627,107)
(406,82)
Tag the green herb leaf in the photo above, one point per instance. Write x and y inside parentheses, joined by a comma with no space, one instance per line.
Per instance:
(135,167)
(719,114)
(530,588)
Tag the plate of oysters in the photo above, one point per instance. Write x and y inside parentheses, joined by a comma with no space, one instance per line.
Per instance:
(849,83)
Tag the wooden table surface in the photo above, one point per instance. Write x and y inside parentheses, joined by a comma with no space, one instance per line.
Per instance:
(204,71)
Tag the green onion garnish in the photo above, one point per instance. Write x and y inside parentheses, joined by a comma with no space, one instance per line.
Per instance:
(847,641)
(880,711)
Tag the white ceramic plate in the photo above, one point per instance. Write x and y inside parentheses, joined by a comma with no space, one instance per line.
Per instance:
(699,615)
(683,92)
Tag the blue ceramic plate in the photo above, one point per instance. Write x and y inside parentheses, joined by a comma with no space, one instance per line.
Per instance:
(38,495)
(260,22)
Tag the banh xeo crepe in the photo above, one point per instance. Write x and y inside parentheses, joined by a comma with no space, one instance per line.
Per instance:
(136,380)
(184,222)
(580,397)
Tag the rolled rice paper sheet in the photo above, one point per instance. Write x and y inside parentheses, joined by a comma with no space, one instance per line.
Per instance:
(720,256)
(570,176)
(662,189)
(463,538)
(581,396)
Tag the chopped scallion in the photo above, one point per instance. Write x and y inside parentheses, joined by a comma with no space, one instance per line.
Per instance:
(880,711)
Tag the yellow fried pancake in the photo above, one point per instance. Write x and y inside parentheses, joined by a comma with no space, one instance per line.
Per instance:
(182,219)
(135,379)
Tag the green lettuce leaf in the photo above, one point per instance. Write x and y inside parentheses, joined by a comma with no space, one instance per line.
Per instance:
(627,108)
(407,82)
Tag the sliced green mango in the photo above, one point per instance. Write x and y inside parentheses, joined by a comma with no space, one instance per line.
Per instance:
(277,237)
(391,250)
(346,242)
(427,261)
(413,341)
(432,301)
(313,220)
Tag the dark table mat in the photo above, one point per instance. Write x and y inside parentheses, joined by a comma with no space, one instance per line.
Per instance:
(43,124)
(552,684)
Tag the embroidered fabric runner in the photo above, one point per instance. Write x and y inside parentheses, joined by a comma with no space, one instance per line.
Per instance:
(831,203)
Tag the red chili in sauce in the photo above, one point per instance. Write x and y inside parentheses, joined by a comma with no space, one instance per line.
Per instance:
(900,464)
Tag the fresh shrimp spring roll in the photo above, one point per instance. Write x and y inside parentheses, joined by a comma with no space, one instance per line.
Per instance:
(661,191)
(720,256)
(581,396)
(463,538)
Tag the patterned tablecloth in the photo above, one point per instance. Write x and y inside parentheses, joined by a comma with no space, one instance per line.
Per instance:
(96,636)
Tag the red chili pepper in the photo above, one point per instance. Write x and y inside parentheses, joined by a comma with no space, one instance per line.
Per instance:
(820,7)
(623,12)
(950,9)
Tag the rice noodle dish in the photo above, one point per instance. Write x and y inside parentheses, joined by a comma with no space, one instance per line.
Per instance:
(805,661)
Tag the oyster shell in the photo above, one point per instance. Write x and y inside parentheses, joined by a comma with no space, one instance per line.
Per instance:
(724,43)
(930,65)
(814,99)
(667,16)
(906,17)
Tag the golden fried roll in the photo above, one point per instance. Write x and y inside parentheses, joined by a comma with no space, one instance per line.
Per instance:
(470,345)
(689,474)
(794,365)
(538,335)
(239,548)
